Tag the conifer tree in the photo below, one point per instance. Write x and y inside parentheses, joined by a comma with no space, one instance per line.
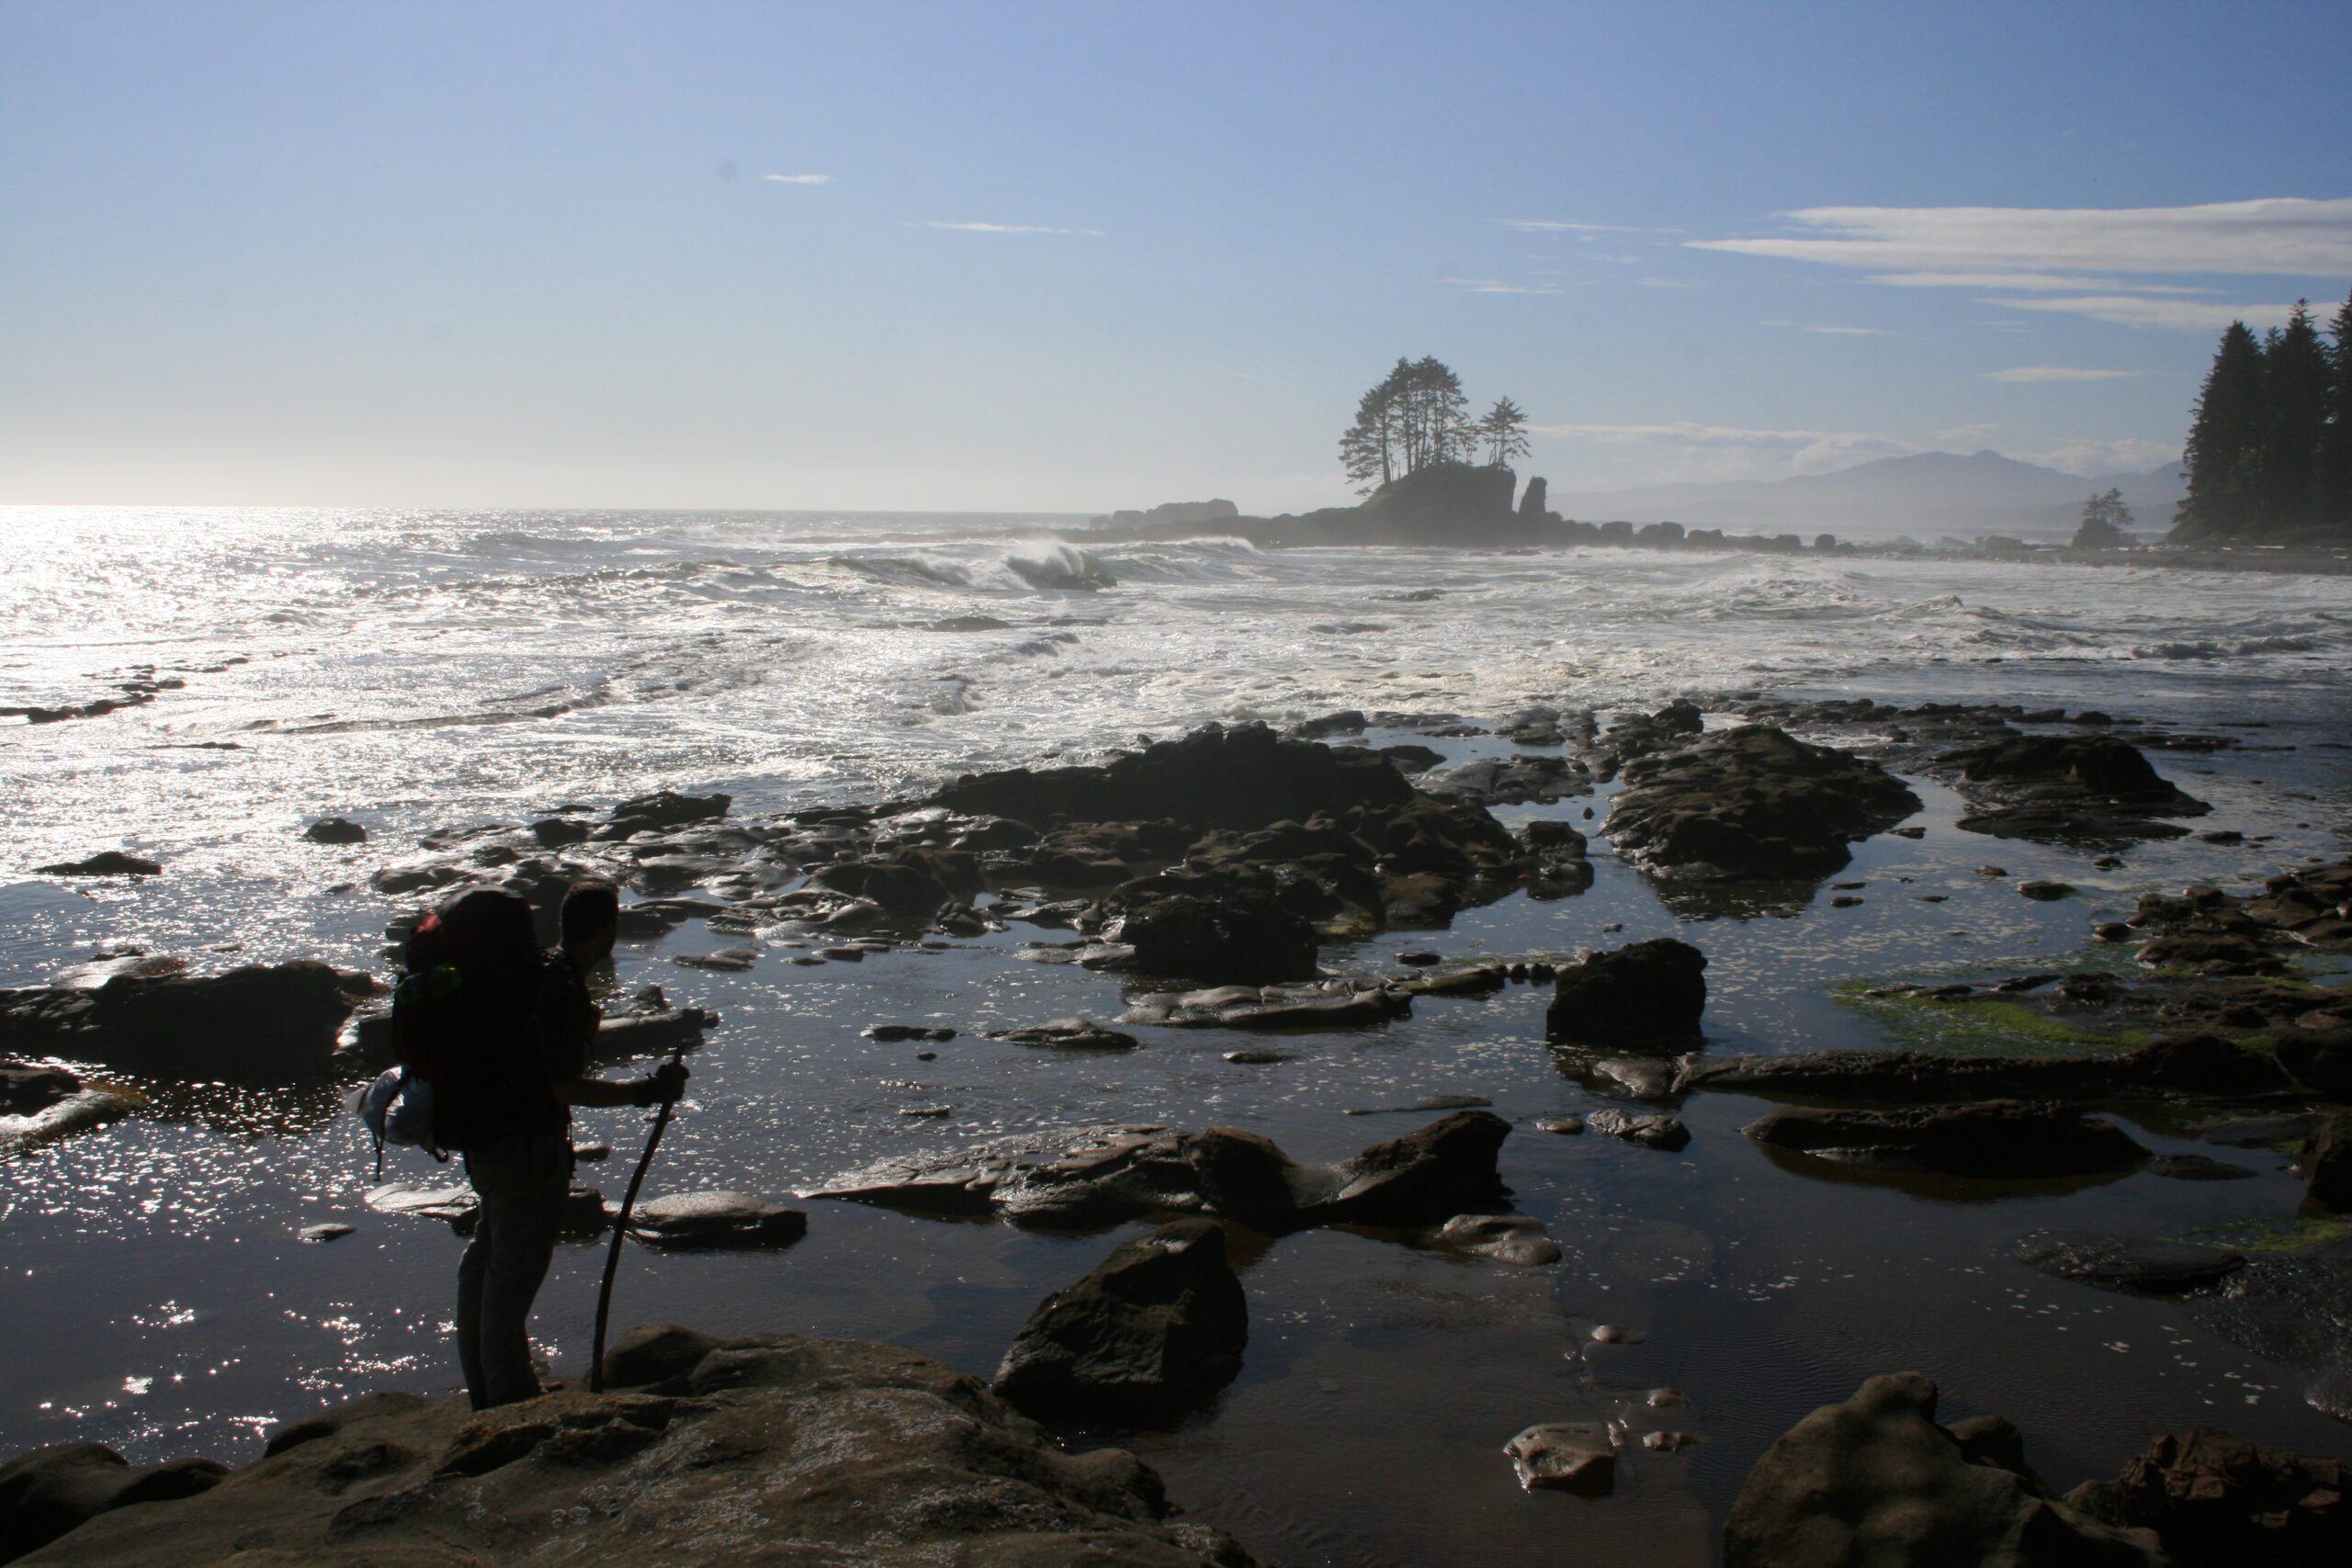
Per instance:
(1415,417)
(2296,376)
(1503,433)
(2223,454)
(2333,489)
(2105,518)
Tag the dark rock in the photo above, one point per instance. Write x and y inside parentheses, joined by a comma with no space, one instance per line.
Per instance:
(1102,1176)
(2219,1501)
(1563,1124)
(1665,1132)
(2140,1264)
(555,833)
(255,1024)
(2320,1061)
(2196,1168)
(1411,759)
(663,809)
(1222,929)
(910,880)
(1242,777)
(1256,1058)
(2093,790)
(1507,1238)
(1752,803)
(2195,1066)
(2045,891)
(26,1089)
(1876,1480)
(1427,1103)
(1082,1033)
(2327,1170)
(335,830)
(1649,993)
(48,1492)
(1998,1139)
(1573,1456)
(717,1220)
(333,1231)
(846,1452)
(105,862)
(1156,1327)
(729,960)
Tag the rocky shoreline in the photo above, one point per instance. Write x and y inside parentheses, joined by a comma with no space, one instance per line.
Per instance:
(1214,878)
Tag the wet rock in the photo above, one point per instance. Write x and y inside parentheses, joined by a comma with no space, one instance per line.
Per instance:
(2091,790)
(911,882)
(2219,1501)
(1998,1139)
(1562,1124)
(48,1492)
(1664,1133)
(1650,993)
(1427,1103)
(335,830)
(256,1024)
(892,1032)
(1510,781)
(1876,1480)
(2196,1168)
(727,960)
(1083,1034)
(687,1220)
(2140,1264)
(1409,758)
(2191,1066)
(105,862)
(1100,1175)
(556,832)
(26,1088)
(1159,1325)
(848,1451)
(2045,891)
(2263,1132)
(2319,1060)
(2327,1170)
(648,1025)
(1573,1456)
(1257,1058)
(333,1231)
(1752,803)
(1335,1004)
(660,811)
(1219,929)
(1507,1238)
(1240,776)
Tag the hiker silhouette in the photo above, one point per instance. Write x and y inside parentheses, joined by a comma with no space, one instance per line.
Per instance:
(501,1031)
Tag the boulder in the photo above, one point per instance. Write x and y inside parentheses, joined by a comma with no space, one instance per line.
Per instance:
(1875,1479)
(1993,1139)
(258,1024)
(696,1219)
(1082,1033)
(662,809)
(2219,1501)
(1752,803)
(1156,1327)
(335,830)
(26,1088)
(1218,776)
(2142,1265)
(2096,791)
(1103,1175)
(2319,1060)
(1223,929)
(105,862)
(46,1492)
(757,1448)
(1651,993)
(2327,1170)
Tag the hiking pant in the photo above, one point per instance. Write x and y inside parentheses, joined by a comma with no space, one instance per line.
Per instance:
(522,1182)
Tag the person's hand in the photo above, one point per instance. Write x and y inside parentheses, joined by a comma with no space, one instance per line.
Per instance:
(665,1084)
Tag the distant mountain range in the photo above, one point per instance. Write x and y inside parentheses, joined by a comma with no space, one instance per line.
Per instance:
(1927,495)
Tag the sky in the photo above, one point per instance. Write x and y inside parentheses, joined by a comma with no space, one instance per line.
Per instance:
(1008,255)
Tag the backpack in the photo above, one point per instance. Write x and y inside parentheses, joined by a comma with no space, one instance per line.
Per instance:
(463,1027)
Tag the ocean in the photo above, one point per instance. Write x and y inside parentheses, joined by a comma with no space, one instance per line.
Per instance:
(418,670)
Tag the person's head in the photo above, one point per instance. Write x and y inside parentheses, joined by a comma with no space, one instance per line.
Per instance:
(592,912)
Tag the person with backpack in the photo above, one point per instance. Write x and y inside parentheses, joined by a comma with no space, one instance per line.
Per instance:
(500,1032)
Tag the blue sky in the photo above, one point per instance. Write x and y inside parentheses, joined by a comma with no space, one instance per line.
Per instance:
(1078,256)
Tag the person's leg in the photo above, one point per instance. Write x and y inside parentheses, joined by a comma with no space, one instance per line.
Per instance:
(471,1270)
(523,1183)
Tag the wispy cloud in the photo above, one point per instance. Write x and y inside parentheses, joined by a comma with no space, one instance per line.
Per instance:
(2054,373)
(1546,226)
(799,179)
(1494,286)
(2138,310)
(2283,235)
(1833,332)
(1011,229)
(2029,281)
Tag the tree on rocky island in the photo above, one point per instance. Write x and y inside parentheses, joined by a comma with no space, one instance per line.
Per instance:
(2105,518)
(1501,433)
(2269,452)
(1416,416)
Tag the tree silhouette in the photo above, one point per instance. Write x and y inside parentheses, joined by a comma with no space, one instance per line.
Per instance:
(2105,518)
(1415,417)
(1501,432)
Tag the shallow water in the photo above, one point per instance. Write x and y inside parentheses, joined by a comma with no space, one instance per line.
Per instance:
(785,659)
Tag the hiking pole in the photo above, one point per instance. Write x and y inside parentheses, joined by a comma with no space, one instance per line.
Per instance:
(620,1231)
